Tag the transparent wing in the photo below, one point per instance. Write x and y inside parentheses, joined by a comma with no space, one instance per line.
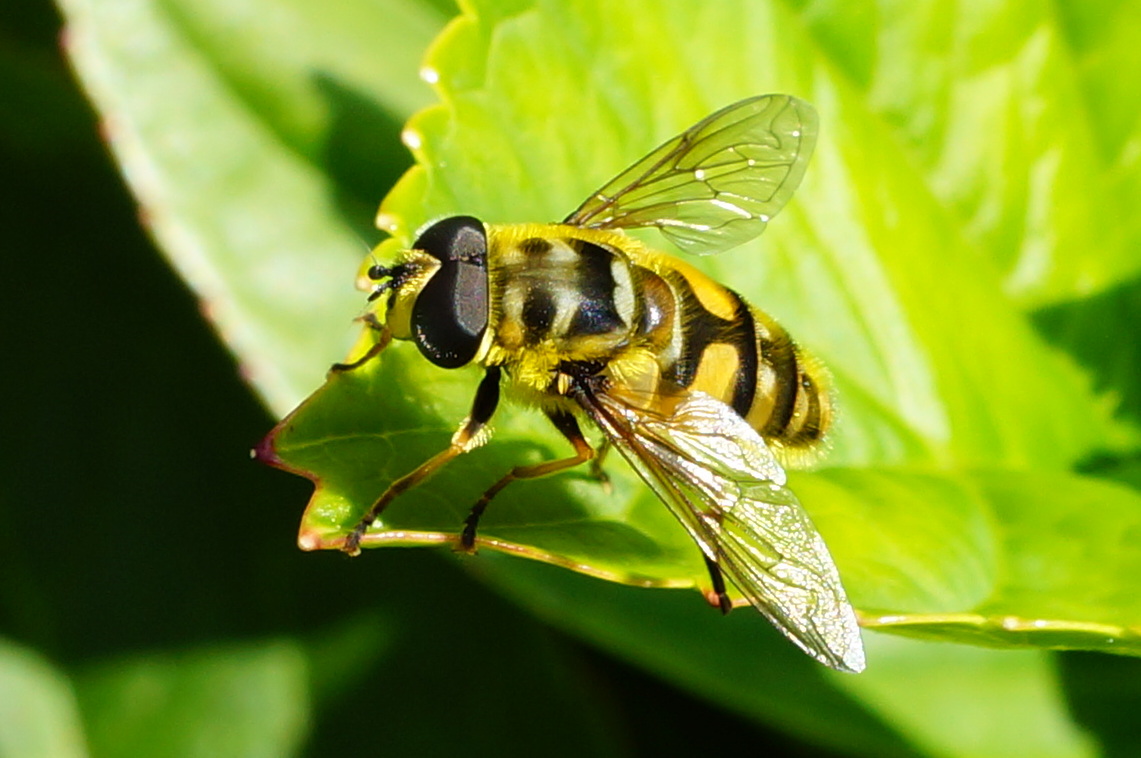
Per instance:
(725,486)
(717,184)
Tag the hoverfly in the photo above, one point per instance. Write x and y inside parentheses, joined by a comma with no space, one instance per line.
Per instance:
(702,394)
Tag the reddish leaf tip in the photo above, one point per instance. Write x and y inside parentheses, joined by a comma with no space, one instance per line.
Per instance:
(264,451)
(309,541)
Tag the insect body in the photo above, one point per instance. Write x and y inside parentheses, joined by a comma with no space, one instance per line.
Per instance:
(702,394)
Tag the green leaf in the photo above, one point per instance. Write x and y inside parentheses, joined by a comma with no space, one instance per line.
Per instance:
(937,698)
(992,557)
(248,700)
(1019,119)
(249,134)
(988,703)
(38,714)
(948,556)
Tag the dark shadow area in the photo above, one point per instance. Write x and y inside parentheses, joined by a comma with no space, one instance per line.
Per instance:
(363,154)
(1103,693)
(690,726)
(1103,333)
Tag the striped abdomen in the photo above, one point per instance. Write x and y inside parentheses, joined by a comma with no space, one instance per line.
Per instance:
(707,338)
(575,294)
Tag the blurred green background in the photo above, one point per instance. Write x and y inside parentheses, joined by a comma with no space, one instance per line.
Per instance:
(152,600)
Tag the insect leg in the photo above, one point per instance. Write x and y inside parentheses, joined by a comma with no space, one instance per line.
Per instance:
(382,340)
(596,469)
(566,424)
(719,597)
(483,407)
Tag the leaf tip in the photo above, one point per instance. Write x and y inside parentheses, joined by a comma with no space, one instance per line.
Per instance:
(308,540)
(265,451)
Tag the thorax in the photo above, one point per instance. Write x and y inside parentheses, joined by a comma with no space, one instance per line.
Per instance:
(558,293)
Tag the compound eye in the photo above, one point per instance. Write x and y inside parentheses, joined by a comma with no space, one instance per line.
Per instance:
(450,315)
(459,238)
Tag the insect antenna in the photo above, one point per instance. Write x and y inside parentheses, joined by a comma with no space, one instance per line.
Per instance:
(394,276)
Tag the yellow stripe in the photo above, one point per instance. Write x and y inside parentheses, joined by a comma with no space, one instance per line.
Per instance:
(714,297)
(717,372)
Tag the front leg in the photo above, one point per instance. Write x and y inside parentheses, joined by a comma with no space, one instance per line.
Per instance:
(383,337)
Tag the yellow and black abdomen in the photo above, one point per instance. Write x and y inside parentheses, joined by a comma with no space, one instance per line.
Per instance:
(713,341)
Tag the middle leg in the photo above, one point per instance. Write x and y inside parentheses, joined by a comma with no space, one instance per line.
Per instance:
(565,423)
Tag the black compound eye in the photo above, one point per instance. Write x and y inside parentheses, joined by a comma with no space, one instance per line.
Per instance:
(459,238)
(450,315)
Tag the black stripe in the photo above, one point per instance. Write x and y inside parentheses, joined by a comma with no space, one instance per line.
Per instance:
(594,318)
(700,329)
(744,338)
(810,430)
(780,353)
(534,246)
(597,312)
(538,314)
